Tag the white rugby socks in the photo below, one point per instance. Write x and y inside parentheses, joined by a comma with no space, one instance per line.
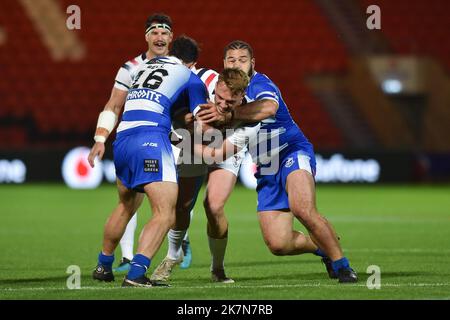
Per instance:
(127,241)
(175,238)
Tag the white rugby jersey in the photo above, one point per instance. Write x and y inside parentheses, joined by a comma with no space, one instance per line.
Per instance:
(243,133)
(209,78)
(128,71)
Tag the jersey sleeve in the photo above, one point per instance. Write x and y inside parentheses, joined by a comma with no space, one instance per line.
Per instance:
(209,78)
(197,93)
(265,90)
(242,135)
(123,78)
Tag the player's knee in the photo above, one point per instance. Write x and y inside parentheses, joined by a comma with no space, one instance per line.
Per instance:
(127,209)
(213,207)
(278,251)
(166,219)
(277,247)
(305,213)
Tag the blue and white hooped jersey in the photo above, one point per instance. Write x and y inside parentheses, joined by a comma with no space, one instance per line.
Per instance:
(281,127)
(160,87)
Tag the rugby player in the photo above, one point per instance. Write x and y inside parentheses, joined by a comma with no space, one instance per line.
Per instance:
(287,191)
(158,35)
(229,93)
(144,159)
(190,177)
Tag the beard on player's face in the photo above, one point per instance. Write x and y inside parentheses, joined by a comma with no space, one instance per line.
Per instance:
(246,67)
(241,59)
(250,71)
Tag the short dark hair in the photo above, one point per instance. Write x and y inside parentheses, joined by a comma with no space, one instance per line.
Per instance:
(185,48)
(158,18)
(238,44)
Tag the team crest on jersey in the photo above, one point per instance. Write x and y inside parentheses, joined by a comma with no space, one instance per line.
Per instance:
(289,162)
(236,159)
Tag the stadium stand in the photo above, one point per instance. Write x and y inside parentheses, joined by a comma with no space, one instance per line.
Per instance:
(416,27)
(64,95)
(55,81)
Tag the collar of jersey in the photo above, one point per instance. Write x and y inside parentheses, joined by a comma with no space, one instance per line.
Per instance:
(253,75)
(169,59)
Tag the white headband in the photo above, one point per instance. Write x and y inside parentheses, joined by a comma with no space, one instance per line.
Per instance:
(159,25)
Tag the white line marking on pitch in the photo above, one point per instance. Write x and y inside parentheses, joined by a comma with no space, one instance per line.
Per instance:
(237,286)
(399,250)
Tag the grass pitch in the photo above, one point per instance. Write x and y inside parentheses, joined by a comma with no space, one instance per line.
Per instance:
(405,230)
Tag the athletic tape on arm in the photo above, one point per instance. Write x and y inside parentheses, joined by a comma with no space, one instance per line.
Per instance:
(106,120)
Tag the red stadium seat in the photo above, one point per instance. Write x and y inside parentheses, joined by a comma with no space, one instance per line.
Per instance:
(292,39)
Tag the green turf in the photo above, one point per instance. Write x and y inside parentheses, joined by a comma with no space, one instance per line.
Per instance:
(405,230)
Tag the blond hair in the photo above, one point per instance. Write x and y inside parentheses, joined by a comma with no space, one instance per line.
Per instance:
(235,79)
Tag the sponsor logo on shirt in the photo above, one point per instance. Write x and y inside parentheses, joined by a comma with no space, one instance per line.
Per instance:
(150,144)
(236,160)
(151,165)
(146,94)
